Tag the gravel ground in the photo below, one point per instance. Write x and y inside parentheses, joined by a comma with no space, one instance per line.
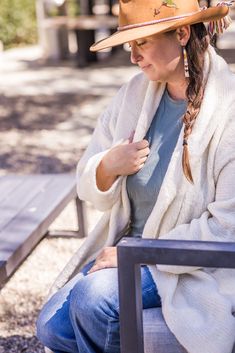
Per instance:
(47,114)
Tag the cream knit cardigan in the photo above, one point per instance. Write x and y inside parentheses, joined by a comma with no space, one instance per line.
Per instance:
(197,303)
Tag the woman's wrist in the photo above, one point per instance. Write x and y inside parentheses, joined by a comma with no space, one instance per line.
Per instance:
(104,179)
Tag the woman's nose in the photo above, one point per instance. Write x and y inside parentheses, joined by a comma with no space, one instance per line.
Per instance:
(135,55)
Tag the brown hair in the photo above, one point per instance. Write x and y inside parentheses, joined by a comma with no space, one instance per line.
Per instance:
(196,47)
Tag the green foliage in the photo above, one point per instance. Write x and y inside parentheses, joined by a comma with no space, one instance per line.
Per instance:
(17,22)
(18,25)
(73,8)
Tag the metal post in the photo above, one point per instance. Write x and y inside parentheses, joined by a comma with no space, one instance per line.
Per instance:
(131,316)
(81,217)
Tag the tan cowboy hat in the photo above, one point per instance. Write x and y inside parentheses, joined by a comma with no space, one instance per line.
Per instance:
(142,18)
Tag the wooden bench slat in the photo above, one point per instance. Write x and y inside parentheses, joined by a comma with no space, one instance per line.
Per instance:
(7,186)
(19,196)
(24,232)
(42,204)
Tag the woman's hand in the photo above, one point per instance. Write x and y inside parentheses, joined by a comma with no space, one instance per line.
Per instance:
(106,259)
(124,159)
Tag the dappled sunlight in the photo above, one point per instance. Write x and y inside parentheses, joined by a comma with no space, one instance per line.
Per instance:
(32,77)
(33,113)
(46,133)
(48,112)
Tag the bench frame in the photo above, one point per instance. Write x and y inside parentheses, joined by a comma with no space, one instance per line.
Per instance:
(132,252)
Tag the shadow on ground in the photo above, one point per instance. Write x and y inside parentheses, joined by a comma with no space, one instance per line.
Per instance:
(119,57)
(48,111)
(41,111)
(38,133)
(20,344)
(25,162)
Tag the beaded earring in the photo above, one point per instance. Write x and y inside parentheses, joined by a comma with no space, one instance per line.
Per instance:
(186,69)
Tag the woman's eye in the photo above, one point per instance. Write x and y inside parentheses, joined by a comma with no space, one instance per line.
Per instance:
(140,44)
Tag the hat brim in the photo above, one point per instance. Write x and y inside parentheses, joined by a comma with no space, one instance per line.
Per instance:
(124,36)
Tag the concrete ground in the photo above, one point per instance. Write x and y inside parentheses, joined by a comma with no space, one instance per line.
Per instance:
(47,115)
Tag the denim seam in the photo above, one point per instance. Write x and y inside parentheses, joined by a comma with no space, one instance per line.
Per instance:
(107,336)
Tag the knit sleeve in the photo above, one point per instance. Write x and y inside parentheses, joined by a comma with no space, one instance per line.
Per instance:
(217,223)
(100,144)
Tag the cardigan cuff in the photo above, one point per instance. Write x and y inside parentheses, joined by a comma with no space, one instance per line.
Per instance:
(87,187)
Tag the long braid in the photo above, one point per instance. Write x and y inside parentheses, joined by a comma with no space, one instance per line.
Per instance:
(196,47)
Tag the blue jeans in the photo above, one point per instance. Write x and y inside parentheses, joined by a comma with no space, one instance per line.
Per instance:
(83,316)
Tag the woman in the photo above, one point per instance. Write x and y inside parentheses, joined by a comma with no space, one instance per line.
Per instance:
(180,109)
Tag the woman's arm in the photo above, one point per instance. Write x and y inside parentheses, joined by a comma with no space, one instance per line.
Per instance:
(100,170)
(101,142)
(122,160)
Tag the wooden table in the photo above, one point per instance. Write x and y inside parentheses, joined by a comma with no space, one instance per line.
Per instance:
(83,22)
(28,206)
(84,27)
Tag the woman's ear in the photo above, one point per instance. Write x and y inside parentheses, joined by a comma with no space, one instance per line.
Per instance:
(183,34)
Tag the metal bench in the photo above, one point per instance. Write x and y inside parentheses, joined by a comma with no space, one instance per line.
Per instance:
(145,330)
(28,206)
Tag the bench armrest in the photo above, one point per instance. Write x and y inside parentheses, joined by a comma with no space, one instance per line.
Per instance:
(132,252)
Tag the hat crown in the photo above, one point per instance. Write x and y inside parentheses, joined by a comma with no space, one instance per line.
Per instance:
(140,11)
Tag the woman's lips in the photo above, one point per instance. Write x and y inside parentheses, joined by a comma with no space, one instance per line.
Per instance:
(145,67)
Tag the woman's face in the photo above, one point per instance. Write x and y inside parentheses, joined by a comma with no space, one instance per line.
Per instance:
(159,57)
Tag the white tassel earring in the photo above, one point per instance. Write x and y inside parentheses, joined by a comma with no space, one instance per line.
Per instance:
(186,69)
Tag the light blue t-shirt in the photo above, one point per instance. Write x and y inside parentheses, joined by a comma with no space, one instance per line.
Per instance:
(143,187)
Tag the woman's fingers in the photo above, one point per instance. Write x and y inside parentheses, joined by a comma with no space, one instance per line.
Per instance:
(143,160)
(140,145)
(98,266)
(141,166)
(144,152)
(106,259)
(126,158)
